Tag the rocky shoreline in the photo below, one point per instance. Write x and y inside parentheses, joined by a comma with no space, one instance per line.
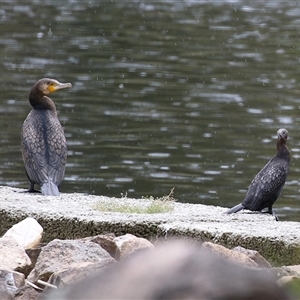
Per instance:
(83,240)
(60,269)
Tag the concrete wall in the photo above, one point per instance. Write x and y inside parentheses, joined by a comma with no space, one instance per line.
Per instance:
(72,216)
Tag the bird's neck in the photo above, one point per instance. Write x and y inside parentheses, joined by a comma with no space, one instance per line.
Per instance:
(283,150)
(40,101)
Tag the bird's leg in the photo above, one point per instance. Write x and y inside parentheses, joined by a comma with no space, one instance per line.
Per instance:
(274,214)
(270,211)
(276,218)
(31,189)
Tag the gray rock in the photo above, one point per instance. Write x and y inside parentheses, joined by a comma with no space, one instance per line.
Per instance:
(10,284)
(28,293)
(73,275)
(106,241)
(254,255)
(129,244)
(13,257)
(234,256)
(33,254)
(292,283)
(61,255)
(295,268)
(176,270)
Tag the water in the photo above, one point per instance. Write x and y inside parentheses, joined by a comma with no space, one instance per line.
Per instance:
(184,94)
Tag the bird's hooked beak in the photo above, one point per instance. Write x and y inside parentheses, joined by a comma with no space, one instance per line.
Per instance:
(56,85)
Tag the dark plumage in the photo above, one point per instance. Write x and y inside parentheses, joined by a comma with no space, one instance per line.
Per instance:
(266,186)
(44,147)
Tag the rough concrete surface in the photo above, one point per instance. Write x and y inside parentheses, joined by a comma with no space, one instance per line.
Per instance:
(75,215)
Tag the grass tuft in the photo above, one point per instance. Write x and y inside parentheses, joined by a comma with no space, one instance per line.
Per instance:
(151,206)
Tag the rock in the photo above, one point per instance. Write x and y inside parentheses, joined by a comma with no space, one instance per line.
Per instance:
(176,270)
(106,241)
(33,254)
(13,257)
(28,292)
(254,255)
(292,283)
(295,268)
(288,279)
(27,233)
(61,255)
(63,278)
(128,244)
(4,295)
(10,284)
(282,271)
(230,254)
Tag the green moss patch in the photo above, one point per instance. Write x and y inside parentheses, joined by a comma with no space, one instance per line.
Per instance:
(150,205)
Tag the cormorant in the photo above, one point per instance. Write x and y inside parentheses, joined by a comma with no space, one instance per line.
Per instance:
(44,147)
(266,186)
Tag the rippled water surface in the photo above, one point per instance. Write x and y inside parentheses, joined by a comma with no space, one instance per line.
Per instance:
(184,94)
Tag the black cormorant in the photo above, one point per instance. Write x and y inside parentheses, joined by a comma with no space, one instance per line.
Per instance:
(44,147)
(266,186)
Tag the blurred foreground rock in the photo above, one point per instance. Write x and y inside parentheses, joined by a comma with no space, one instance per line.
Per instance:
(177,270)
(109,267)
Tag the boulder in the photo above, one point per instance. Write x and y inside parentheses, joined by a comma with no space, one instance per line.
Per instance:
(61,255)
(28,293)
(33,254)
(73,275)
(176,270)
(295,268)
(292,283)
(13,257)
(254,255)
(10,284)
(106,241)
(27,233)
(234,256)
(129,244)
(279,272)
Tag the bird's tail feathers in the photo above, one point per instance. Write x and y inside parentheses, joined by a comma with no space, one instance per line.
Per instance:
(235,209)
(49,189)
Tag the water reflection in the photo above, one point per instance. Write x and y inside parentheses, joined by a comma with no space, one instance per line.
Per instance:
(171,93)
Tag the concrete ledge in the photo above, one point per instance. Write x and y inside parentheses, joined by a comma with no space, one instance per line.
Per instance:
(74,215)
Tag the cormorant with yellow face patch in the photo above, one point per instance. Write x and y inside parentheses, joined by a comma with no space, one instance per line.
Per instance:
(44,147)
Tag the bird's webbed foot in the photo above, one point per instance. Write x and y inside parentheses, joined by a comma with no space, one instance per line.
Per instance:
(270,211)
(31,189)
